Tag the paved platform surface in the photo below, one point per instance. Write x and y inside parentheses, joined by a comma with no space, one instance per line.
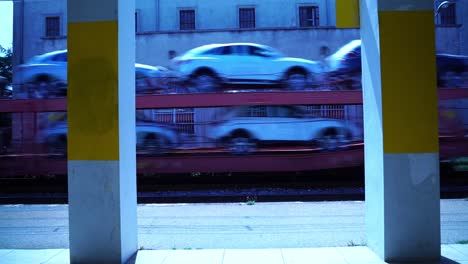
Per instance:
(451,254)
(220,226)
(263,233)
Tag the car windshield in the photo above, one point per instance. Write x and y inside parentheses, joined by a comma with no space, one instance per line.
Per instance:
(233,48)
(49,57)
(263,51)
(201,49)
(223,50)
(347,48)
(37,59)
(143,72)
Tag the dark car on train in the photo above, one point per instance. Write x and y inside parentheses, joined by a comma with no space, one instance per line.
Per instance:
(344,68)
(5,88)
(452,70)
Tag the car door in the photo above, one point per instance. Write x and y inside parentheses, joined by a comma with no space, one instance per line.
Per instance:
(243,67)
(220,59)
(253,64)
(288,124)
(232,63)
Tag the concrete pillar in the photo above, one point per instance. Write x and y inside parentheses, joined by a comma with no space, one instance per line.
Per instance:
(101,131)
(401,131)
(347,13)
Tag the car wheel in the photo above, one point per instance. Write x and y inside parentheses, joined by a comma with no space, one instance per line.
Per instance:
(349,82)
(356,82)
(241,144)
(343,85)
(331,140)
(155,144)
(296,81)
(451,79)
(333,82)
(40,87)
(57,145)
(206,82)
(464,77)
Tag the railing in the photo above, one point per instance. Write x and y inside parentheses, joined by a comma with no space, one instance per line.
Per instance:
(31,159)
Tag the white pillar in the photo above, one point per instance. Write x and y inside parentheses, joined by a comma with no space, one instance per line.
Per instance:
(101,131)
(401,130)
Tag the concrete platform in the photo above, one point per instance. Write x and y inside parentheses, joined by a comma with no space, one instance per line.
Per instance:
(236,233)
(219,226)
(451,254)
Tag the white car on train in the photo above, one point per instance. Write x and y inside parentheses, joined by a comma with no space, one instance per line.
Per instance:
(242,129)
(210,67)
(151,138)
(45,76)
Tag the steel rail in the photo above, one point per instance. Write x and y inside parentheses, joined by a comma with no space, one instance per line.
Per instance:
(218,100)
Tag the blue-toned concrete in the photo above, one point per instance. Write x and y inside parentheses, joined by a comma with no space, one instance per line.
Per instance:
(401,151)
(451,254)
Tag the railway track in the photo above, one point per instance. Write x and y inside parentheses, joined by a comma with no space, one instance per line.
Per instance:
(329,185)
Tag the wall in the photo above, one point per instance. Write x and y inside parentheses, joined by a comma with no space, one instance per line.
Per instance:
(34,29)
(148,11)
(448,40)
(158,19)
(224,15)
(162,15)
(462,18)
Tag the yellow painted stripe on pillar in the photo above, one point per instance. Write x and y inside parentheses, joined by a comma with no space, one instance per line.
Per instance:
(93,131)
(409,89)
(347,13)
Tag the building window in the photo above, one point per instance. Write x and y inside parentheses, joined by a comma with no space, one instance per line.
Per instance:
(187,19)
(52,28)
(447,15)
(247,17)
(308,16)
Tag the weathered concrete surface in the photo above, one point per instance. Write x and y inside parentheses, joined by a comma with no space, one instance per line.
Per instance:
(233,225)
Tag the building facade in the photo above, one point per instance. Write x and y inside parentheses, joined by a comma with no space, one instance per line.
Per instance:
(164,15)
(166,28)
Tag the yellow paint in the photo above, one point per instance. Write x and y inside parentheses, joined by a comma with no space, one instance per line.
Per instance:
(57,116)
(409,88)
(450,114)
(347,14)
(93,132)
